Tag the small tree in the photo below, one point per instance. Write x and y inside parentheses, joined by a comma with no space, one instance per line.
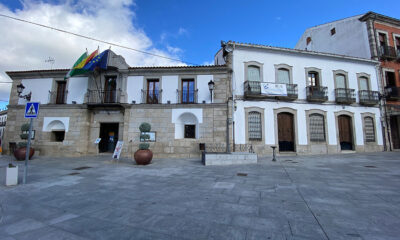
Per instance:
(144,127)
(24,135)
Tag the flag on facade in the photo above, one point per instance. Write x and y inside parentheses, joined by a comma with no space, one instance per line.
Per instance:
(78,67)
(80,59)
(100,61)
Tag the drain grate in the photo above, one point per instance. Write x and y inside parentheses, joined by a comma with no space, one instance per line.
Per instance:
(242,174)
(74,173)
(81,168)
(370,166)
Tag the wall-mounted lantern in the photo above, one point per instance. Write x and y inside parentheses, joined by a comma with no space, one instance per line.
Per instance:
(20,89)
(211,88)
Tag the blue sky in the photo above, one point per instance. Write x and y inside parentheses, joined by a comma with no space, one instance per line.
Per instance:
(184,29)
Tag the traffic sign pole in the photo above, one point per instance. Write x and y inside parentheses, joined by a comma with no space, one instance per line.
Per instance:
(28,148)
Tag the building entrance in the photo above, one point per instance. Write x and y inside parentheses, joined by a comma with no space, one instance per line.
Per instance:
(286,132)
(394,129)
(345,132)
(109,136)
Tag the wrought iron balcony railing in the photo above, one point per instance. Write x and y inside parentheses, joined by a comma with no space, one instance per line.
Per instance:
(151,97)
(184,96)
(56,97)
(317,93)
(103,97)
(345,95)
(387,52)
(252,89)
(368,98)
(392,93)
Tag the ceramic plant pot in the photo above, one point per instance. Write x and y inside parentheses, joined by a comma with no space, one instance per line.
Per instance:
(19,153)
(143,157)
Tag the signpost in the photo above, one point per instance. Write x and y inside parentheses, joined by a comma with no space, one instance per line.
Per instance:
(31,111)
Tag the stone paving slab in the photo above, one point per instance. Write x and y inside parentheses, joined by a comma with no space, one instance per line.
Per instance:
(352,196)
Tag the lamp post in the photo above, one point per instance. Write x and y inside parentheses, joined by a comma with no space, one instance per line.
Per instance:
(20,89)
(211,88)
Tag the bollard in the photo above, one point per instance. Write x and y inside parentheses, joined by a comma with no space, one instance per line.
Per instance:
(273,153)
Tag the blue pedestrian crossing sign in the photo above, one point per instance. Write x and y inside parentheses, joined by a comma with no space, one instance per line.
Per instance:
(31,110)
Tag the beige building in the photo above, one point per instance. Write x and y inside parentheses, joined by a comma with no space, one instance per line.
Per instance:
(111,105)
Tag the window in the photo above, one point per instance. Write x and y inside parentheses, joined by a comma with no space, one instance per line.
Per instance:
(364,83)
(369,129)
(308,40)
(382,39)
(313,79)
(390,79)
(253,73)
(333,31)
(254,126)
(57,136)
(283,76)
(61,93)
(188,92)
(317,128)
(152,90)
(110,89)
(340,81)
(190,131)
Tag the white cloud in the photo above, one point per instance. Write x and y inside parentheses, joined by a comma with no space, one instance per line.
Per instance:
(208,62)
(26,46)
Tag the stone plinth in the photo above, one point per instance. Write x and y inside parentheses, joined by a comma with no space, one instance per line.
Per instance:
(229,158)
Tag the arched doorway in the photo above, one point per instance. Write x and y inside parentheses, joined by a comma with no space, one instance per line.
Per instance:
(345,132)
(286,132)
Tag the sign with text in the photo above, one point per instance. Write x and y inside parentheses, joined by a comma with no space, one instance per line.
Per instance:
(31,110)
(152,137)
(97,141)
(273,89)
(118,149)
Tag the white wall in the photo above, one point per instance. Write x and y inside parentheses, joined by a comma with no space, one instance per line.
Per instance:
(270,128)
(183,116)
(40,88)
(169,87)
(202,86)
(77,88)
(134,88)
(351,38)
(55,123)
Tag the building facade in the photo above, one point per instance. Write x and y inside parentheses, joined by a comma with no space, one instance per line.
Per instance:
(3,121)
(111,104)
(372,36)
(325,108)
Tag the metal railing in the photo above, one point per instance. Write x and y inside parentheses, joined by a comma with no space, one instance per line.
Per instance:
(253,89)
(368,97)
(184,96)
(392,93)
(317,93)
(101,96)
(345,95)
(58,97)
(387,52)
(151,97)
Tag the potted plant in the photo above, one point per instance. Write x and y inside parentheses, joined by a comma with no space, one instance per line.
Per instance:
(11,174)
(144,155)
(20,152)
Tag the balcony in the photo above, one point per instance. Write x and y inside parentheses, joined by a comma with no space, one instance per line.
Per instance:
(252,90)
(345,95)
(151,97)
(368,98)
(186,97)
(387,53)
(58,97)
(392,93)
(317,94)
(103,97)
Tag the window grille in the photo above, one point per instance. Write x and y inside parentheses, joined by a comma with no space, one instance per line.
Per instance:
(254,125)
(317,128)
(369,129)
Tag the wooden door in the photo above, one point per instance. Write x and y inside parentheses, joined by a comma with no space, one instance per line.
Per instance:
(394,129)
(285,132)
(152,90)
(345,132)
(61,87)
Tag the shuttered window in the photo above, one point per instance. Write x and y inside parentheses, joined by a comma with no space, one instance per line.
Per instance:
(253,73)
(317,128)
(254,125)
(283,76)
(369,129)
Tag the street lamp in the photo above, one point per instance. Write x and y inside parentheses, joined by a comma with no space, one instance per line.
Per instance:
(211,88)
(20,89)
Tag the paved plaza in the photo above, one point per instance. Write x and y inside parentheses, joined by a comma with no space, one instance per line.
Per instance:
(350,196)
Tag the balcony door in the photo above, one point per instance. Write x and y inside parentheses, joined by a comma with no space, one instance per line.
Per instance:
(188,91)
(286,132)
(345,132)
(313,79)
(110,90)
(61,88)
(152,90)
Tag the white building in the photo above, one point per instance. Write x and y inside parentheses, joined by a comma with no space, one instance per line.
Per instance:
(331,104)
